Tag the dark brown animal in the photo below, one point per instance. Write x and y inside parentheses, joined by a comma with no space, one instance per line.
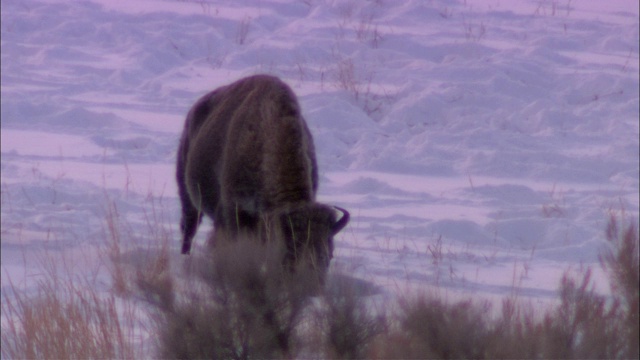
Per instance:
(247,160)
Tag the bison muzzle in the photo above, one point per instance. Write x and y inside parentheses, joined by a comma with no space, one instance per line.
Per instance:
(247,160)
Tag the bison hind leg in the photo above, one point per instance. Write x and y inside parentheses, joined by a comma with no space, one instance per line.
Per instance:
(191,218)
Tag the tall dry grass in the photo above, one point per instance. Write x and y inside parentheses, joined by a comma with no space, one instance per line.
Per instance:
(65,313)
(585,325)
(239,302)
(65,318)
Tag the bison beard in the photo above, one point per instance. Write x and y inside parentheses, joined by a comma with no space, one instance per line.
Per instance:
(246,159)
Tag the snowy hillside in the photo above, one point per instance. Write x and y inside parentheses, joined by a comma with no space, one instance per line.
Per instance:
(479,145)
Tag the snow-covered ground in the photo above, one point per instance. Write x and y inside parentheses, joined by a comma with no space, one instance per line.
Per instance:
(479,145)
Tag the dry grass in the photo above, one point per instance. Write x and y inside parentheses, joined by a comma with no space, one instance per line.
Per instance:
(65,318)
(150,268)
(622,265)
(359,83)
(347,324)
(66,314)
(246,309)
(239,303)
(584,325)
(242,30)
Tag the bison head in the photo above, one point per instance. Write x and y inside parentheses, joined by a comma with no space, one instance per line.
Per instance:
(307,233)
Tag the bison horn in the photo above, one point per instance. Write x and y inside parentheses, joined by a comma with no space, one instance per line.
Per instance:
(340,224)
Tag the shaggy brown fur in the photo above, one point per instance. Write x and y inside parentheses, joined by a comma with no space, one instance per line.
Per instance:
(247,160)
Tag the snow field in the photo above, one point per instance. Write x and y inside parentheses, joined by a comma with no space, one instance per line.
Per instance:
(480,146)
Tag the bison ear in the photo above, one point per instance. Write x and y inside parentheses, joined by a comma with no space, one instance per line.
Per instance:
(342,222)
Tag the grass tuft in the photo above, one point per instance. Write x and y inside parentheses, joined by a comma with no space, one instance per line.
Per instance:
(65,319)
(349,324)
(241,304)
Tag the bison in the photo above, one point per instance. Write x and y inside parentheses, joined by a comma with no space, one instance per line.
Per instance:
(246,159)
